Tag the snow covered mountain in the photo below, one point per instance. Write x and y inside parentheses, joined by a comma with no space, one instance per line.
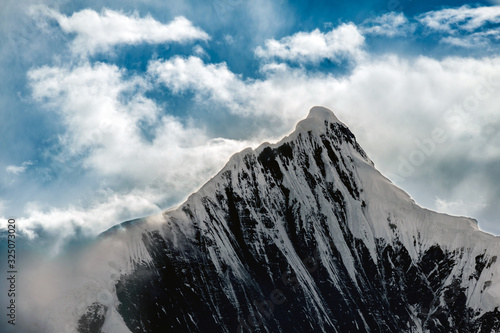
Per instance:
(304,235)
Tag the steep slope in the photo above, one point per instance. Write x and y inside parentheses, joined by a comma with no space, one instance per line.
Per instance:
(304,235)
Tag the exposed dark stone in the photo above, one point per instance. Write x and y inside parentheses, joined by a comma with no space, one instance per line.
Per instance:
(93,319)
(347,180)
(480,265)
(492,261)
(286,151)
(268,160)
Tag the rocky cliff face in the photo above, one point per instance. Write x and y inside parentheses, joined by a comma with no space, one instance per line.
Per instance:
(300,236)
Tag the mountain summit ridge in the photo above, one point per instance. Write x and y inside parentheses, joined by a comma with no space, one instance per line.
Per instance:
(303,235)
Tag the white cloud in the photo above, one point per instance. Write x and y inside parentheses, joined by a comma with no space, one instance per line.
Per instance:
(17,170)
(468,27)
(103,113)
(470,41)
(108,209)
(200,52)
(473,40)
(342,42)
(213,80)
(285,93)
(463,18)
(391,24)
(99,32)
(87,97)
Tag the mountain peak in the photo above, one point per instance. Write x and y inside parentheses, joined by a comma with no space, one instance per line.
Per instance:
(322,113)
(304,234)
(316,119)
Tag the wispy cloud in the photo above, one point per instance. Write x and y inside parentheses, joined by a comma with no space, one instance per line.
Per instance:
(391,24)
(17,170)
(99,32)
(464,18)
(476,39)
(465,26)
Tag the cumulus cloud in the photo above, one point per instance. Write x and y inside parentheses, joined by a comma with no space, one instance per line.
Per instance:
(344,41)
(104,113)
(391,24)
(99,32)
(215,81)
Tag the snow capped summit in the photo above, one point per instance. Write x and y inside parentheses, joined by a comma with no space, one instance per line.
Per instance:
(304,235)
(316,117)
(321,113)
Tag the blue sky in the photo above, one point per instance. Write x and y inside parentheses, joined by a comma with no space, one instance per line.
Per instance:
(112,110)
